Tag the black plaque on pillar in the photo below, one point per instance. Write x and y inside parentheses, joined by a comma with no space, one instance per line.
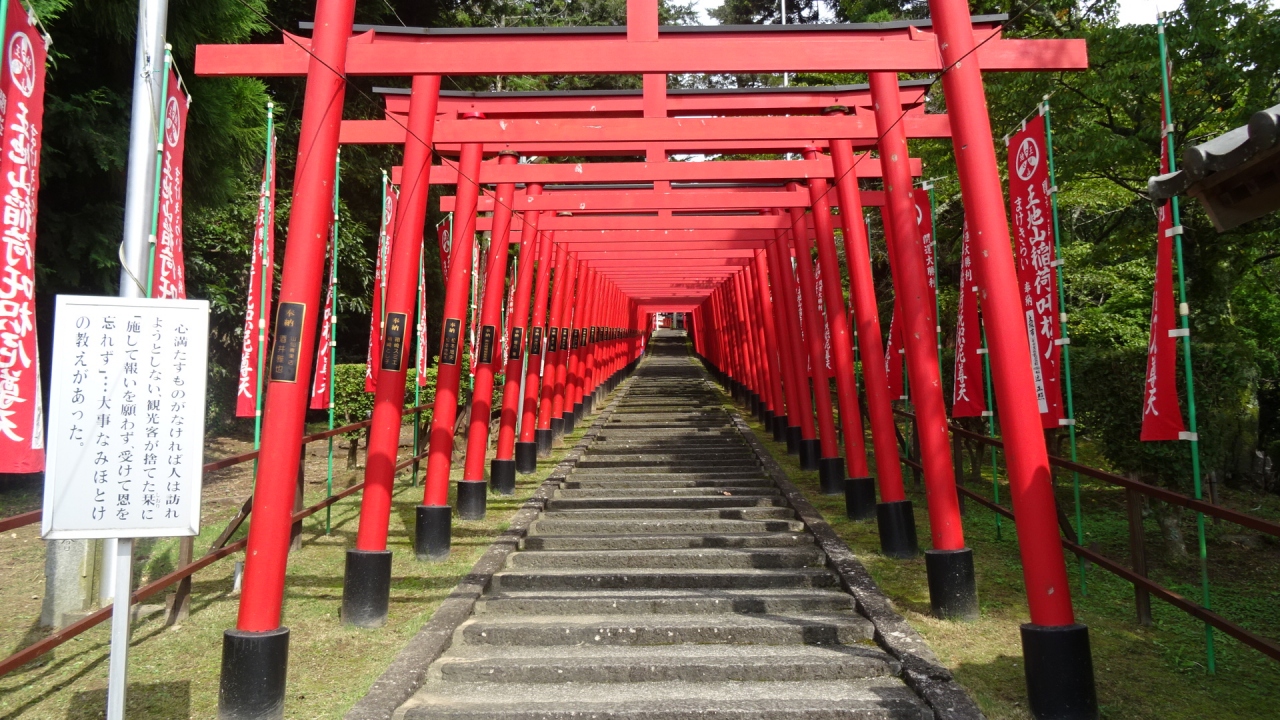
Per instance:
(449,342)
(515,352)
(564,338)
(485,351)
(553,339)
(535,341)
(573,342)
(393,342)
(288,342)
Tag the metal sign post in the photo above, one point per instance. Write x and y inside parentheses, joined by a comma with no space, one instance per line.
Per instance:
(126,439)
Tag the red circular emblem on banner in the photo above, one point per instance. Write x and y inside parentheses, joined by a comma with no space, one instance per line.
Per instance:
(171,122)
(1028,158)
(22,63)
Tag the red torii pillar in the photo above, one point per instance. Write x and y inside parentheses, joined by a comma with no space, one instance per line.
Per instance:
(833,479)
(814,452)
(472,488)
(894,517)
(952,587)
(255,654)
(527,449)
(799,404)
(366,587)
(502,471)
(432,532)
(548,425)
(1055,648)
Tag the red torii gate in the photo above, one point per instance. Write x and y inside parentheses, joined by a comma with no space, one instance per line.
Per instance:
(1058,669)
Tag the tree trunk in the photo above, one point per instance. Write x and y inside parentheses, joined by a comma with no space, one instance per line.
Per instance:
(1170,519)
(353,453)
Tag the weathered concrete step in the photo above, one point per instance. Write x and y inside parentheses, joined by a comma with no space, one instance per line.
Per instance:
(742,467)
(702,663)
(650,474)
(807,629)
(685,558)
(649,526)
(637,492)
(665,542)
(635,481)
(866,699)
(650,579)
(670,602)
(697,457)
(666,502)
(748,513)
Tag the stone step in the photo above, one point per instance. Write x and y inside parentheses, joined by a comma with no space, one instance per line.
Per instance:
(697,456)
(740,463)
(667,502)
(650,474)
(665,542)
(687,480)
(651,629)
(741,513)
(630,664)
(864,699)
(686,558)
(651,579)
(675,602)
(639,492)
(643,526)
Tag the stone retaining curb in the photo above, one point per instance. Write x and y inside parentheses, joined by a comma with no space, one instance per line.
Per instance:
(408,671)
(920,667)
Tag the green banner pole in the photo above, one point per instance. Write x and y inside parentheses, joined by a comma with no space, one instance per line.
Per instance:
(153,240)
(417,381)
(264,285)
(1070,420)
(333,329)
(1184,324)
(991,428)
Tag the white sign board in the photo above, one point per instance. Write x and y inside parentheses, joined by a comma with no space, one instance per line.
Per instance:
(126,418)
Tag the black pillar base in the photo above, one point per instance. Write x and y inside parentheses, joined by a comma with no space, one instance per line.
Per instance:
(753,402)
(502,476)
(897,525)
(526,457)
(793,439)
(471,499)
(432,532)
(860,498)
(767,419)
(953,591)
(542,439)
(366,588)
(557,427)
(570,422)
(1059,668)
(588,403)
(779,428)
(254,666)
(579,411)
(810,454)
(831,475)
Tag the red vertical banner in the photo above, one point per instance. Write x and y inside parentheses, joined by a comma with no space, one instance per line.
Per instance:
(261,276)
(22,99)
(893,356)
(373,358)
(324,355)
(924,218)
(444,234)
(169,276)
(968,398)
(1037,279)
(1161,414)
(424,348)
(822,313)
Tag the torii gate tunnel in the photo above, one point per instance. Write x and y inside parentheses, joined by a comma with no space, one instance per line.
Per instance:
(602,246)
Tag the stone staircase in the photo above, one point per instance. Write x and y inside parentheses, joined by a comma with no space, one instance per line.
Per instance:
(666,578)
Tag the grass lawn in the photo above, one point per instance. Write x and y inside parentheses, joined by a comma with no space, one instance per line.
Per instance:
(173,671)
(1153,672)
